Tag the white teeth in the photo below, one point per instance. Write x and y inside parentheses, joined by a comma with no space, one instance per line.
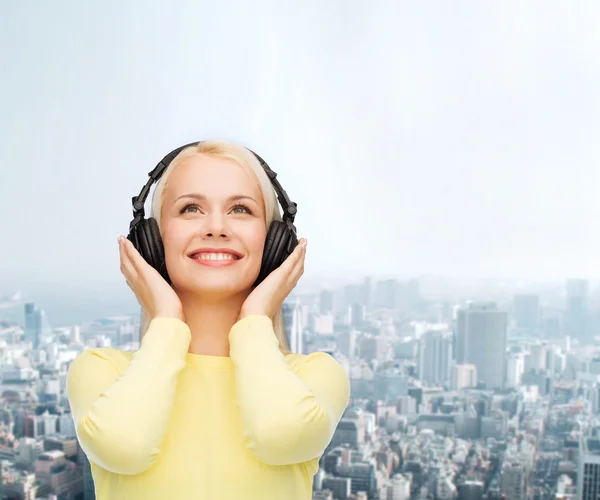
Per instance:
(215,256)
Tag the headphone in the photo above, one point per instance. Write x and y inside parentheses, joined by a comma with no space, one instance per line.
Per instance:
(144,233)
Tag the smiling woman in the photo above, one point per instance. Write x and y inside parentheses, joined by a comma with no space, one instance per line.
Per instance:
(213,202)
(212,405)
(228,168)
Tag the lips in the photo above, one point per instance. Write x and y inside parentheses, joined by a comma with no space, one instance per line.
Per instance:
(215,254)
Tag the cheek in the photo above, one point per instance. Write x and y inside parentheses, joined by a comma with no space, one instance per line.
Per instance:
(173,239)
(255,241)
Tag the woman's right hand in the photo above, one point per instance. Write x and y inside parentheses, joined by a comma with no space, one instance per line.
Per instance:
(153,293)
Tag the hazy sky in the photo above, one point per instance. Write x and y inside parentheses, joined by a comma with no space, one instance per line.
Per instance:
(416,137)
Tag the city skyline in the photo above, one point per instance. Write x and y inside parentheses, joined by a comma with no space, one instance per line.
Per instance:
(461,379)
(84,304)
(444,161)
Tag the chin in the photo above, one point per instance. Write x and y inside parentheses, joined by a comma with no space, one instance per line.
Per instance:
(220,290)
(220,284)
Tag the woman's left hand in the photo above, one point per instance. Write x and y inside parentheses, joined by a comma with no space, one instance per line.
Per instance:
(267,298)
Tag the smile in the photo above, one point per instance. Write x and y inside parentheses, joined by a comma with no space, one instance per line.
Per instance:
(215,257)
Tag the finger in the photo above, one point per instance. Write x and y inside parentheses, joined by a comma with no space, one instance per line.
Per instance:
(289,263)
(127,267)
(298,269)
(137,261)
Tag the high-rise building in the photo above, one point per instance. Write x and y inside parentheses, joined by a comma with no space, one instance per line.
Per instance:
(37,327)
(33,324)
(514,480)
(588,473)
(463,377)
(352,295)
(515,367)
(357,313)
(435,357)
(292,317)
(470,490)
(346,343)
(526,311)
(481,341)
(366,293)
(537,359)
(576,314)
(399,487)
(388,294)
(326,302)
(375,347)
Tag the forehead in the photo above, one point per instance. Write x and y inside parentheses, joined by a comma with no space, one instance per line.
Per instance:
(211,176)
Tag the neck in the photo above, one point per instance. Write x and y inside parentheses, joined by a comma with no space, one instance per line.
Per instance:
(210,321)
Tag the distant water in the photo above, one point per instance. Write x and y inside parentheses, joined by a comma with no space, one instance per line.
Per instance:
(65,310)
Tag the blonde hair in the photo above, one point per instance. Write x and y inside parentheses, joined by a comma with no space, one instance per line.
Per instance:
(246,160)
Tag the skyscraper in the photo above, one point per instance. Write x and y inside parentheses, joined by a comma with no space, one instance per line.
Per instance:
(576,314)
(526,311)
(37,327)
(435,357)
(292,317)
(588,473)
(481,341)
(514,480)
(33,324)
(366,293)
(326,302)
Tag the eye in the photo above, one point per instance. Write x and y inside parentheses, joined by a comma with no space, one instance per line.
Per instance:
(188,208)
(240,209)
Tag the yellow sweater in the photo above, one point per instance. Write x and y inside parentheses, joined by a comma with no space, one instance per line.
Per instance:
(163,424)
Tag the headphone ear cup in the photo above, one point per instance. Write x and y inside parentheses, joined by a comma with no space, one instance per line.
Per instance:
(267,259)
(133,237)
(156,248)
(146,239)
(137,236)
(280,252)
(279,244)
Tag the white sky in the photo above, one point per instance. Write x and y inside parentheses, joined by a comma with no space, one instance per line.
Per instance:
(416,137)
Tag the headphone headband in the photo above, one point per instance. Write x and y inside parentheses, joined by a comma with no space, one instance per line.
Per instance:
(288,206)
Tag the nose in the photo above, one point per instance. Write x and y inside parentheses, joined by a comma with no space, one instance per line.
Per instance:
(216,227)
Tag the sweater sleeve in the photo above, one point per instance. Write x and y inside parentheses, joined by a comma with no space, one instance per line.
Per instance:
(289,414)
(121,416)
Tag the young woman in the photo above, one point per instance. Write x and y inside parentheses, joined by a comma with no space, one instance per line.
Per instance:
(212,406)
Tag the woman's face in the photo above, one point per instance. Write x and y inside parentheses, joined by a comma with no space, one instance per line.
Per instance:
(213,227)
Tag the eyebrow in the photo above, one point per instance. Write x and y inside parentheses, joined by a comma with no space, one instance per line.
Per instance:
(202,197)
